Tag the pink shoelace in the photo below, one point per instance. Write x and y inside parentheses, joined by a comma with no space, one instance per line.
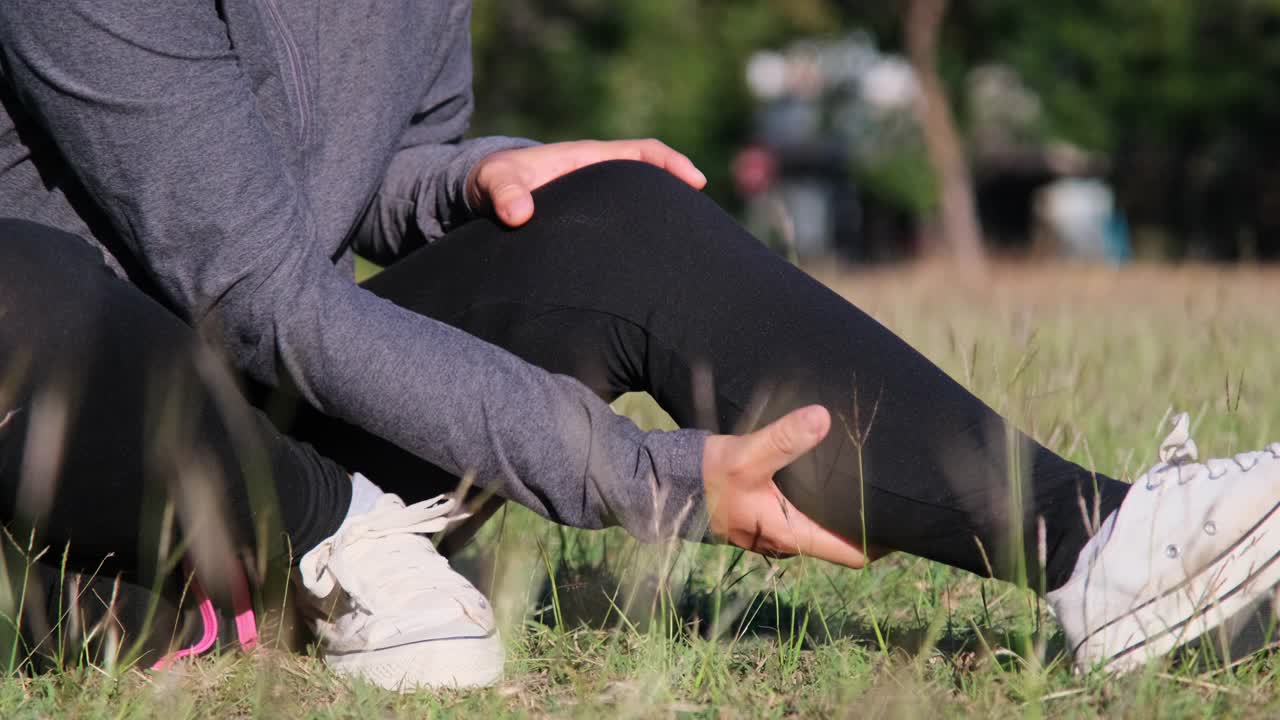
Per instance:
(245,621)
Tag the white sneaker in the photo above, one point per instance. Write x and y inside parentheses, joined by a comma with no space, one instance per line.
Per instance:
(1193,548)
(388,608)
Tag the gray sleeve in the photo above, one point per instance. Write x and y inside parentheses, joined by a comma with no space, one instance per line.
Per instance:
(148,104)
(423,195)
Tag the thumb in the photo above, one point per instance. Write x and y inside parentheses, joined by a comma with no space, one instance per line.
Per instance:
(512,203)
(781,442)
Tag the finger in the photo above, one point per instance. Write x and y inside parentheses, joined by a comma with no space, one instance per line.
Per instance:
(659,153)
(790,538)
(512,203)
(803,536)
(683,168)
(780,443)
(784,531)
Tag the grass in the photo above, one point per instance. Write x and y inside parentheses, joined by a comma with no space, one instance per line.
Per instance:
(1089,360)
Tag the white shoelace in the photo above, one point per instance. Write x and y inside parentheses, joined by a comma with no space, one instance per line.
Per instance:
(414,564)
(1178,450)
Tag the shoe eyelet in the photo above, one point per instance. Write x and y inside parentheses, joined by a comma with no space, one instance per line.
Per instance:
(1171,552)
(1210,528)
(1156,477)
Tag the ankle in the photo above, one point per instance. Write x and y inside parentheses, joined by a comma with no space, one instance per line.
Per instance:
(364,496)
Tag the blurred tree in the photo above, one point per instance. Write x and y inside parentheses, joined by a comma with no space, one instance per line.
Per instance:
(1181,94)
(961,232)
(671,69)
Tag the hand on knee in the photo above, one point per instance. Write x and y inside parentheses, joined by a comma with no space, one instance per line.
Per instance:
(503,183)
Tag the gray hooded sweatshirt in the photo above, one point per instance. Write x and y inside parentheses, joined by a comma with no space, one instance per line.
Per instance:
(222,154)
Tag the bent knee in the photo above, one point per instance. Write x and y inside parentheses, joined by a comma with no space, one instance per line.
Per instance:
(630,202)
(33,253)
(44,271)
(622,184)
(635,175)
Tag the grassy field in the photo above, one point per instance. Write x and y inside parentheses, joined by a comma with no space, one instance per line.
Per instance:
(1089,360)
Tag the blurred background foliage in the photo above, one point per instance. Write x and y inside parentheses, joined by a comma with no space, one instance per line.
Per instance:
(671,69)
(1180,97)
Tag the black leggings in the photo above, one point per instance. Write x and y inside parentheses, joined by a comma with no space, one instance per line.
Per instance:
(662,291)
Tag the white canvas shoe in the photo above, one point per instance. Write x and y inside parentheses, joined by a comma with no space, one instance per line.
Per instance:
(388,608)
(1193,549)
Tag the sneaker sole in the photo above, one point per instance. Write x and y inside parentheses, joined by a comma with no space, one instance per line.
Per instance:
(1255,630)
(430,664)
(1226,590)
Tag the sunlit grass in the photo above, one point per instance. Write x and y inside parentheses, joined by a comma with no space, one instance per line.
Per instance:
(1089,360)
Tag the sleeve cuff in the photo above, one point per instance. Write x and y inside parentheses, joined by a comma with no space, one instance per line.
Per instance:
(681,501)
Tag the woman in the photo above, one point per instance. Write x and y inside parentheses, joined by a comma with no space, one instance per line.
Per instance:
(209,169)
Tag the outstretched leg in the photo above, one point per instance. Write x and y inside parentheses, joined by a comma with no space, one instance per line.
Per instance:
(629,280)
